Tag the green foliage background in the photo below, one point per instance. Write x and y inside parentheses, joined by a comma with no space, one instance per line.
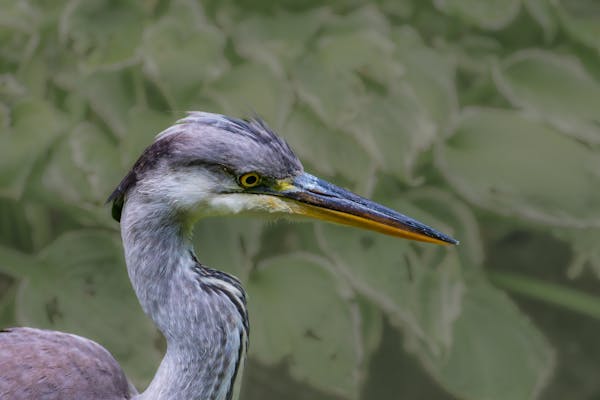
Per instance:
(478,117)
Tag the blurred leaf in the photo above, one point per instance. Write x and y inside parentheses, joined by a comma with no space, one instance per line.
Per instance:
(490,14)
(108,94)
(250,87)
(291,326)
(390,274)
(512,164)
(4,117)
(143,124)
(7,303)
(34,75)
(495,351)
(175,43)
(228,244)
(328,80)
(284,236)
(277,41)
(11,90)
(45,223)
(453,217)
(15,263)
(439,315)
(431,76)
(579,18)
(19,22)
(334,96)
(398,8)
(366,52)
(371,321)
(398,128)
(14,227)
(541,11)
(473,55)
(35,124)
(367,17)
(586,253)
(17,16)
(327,151)
(571,299)
(556,88)
(81,172)
(102,34)
(79,284)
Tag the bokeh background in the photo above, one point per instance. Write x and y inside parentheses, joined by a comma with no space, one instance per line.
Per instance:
(481,118)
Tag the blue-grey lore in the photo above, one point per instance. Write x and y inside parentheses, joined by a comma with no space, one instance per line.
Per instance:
(205,164)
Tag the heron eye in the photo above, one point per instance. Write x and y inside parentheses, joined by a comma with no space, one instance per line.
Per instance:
(249,180)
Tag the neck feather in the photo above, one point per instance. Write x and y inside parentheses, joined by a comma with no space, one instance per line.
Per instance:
(200,311)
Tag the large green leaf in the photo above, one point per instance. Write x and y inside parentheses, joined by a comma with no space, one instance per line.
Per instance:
(17,17)
(453,216)
(18,31)
(554,87)
(15,230)
(430,74)
(586,253)
(181,52)
(490,14)
(516,165)
(4,116)
(389,272)
(324,150)
(108,94)
(579,18)
(7,303)
(335,96)
(35,125)
(329,80)
(14,263)
(542,12)
(299,317)
(495,352)
(277,41)
(102,34)
(250,87)
(82,171)
(79,284)
(560,295)
(34,75)
(11,91)
(228,244)
(143,124)
(398,128)
(366,52)
(363,17)
(442,317)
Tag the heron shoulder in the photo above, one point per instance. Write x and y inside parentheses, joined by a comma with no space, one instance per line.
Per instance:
(36,363)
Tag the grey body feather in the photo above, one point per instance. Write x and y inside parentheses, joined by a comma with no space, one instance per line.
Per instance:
(49,365)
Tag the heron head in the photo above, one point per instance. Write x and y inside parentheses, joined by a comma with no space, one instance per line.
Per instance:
(210,164)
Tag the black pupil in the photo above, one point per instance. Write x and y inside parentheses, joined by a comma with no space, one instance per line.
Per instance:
(251,179)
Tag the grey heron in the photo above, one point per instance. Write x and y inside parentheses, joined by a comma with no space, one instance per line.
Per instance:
(205,164)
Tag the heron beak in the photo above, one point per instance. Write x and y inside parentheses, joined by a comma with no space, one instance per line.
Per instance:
(320,199)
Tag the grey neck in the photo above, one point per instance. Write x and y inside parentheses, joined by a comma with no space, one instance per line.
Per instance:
(201,312)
